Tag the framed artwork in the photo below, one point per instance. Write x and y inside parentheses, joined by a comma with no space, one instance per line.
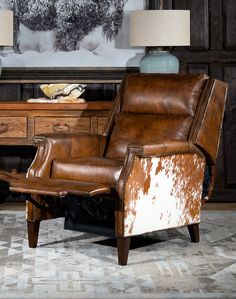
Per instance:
(74,33)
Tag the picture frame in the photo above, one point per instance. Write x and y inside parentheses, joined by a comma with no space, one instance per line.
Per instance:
(39,49)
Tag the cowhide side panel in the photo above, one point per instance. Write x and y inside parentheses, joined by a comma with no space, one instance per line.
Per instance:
(163,192)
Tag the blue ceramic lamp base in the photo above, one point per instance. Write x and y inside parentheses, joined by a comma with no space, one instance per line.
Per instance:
(159,62)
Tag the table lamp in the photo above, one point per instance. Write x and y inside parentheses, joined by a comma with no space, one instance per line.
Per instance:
(6,30)
(157,29)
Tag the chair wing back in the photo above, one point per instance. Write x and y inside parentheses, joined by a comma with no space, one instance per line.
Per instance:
(206,128)
(154,108)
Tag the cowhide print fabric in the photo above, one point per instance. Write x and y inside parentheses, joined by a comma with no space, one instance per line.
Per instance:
(163,192)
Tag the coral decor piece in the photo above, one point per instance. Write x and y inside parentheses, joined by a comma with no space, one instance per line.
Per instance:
(61,93)
(54,91)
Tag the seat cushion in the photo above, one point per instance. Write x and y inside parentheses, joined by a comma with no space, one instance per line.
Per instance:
(135,128)
(91,169)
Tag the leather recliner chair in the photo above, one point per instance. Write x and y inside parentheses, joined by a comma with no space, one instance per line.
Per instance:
(163,131)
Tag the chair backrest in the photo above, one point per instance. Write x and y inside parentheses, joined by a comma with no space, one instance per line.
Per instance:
(157,107)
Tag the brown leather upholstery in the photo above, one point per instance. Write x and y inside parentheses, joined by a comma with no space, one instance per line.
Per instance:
(206,129)
(64,145)
(163,94)
(150,158)
(91,169)
(155,108)
(133,128)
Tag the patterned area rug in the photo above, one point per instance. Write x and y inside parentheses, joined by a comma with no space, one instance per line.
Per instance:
(70,264)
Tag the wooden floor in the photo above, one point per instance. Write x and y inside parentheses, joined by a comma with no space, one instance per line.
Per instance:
(220,206)
(12,206)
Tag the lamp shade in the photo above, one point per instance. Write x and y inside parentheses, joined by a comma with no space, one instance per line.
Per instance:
(6,28)
(160,28)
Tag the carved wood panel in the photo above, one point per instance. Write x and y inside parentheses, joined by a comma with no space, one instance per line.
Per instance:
(10,92)
(230,127)
(199,23)
(229,12)
(216,25)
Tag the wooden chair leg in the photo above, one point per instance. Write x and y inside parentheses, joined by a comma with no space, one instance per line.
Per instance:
(194,232)
(123,245)
(33,233)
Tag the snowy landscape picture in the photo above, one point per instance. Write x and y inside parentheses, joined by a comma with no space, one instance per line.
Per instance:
(72,33)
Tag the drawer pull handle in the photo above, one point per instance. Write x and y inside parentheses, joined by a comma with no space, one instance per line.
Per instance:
(60,127)
(3,128)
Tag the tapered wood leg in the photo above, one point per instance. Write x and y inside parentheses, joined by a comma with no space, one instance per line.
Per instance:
(123,245)
(33,233)
(194,232)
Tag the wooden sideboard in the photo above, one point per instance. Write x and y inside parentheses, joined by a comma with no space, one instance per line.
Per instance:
(21,121)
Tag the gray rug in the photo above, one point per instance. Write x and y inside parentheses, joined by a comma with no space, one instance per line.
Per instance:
(70,264)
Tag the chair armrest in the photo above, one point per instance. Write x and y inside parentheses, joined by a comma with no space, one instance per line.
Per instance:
(161,183)
(167,148)
(63,145)
(151,150)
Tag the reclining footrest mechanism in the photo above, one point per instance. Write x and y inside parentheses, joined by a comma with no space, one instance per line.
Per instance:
(52,187)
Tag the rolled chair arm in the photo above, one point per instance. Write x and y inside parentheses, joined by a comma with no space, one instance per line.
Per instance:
(61,146)
(165,148)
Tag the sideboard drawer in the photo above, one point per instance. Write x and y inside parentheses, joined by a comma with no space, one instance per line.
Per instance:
(61,124)
(13,127)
